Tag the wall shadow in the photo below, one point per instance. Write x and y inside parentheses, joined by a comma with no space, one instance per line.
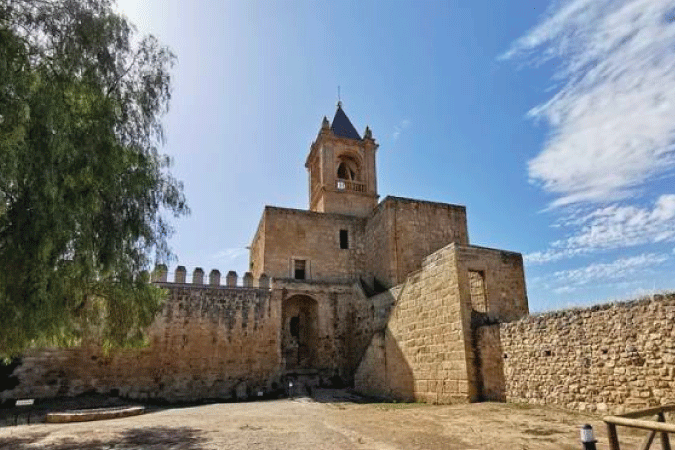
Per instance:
(157,438)
(371,320)
(385,373)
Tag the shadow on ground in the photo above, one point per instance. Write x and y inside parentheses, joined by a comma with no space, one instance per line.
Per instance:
(25,415)
(323,395)
(154,438)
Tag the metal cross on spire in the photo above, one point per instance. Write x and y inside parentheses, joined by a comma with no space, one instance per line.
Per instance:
(339,100)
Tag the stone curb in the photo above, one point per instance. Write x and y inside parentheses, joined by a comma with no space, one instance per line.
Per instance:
(86,415)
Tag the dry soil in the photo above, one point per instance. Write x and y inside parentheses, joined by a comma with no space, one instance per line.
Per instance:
(329,421)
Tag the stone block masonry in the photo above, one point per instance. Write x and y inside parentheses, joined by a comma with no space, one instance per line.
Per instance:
(607,358)
(401,232)
(209,342)
(286,235)
(430,347)
(420,355)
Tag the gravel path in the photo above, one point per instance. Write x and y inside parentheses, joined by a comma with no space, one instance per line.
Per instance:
(325,423)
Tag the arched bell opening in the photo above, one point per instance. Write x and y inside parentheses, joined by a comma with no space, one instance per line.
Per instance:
(300,332)
(348,169)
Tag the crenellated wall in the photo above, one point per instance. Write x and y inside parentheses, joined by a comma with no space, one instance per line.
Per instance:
(209,341)
(160,276)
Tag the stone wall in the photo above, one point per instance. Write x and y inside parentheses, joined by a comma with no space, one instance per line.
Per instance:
(491,289)
(209,342)
(421,354)
(387,245)
(287,234)
(337,324)
(256,256)
(490,370)
(606,358)
(402,232)
(379,239)
(505,295)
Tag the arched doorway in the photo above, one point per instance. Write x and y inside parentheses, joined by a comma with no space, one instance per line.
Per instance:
(300,332)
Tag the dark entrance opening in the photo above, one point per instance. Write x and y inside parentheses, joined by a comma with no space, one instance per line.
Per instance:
(300,333)
(295,327)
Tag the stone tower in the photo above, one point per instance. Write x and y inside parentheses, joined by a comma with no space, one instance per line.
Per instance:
(341,165)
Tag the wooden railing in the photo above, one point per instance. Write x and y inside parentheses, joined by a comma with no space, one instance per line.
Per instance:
(346,185)
(637,420)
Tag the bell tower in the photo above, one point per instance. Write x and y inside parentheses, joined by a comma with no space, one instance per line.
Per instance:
(341,166)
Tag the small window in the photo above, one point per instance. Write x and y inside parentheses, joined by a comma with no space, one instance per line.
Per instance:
(299,272)
(344,239)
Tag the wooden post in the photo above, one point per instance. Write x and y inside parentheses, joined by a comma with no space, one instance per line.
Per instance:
(646,445)
(665,440)
(613,438)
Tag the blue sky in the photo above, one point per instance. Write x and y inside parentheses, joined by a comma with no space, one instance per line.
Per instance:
(553,124)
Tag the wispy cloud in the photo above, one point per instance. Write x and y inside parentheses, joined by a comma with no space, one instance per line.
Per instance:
(616,270)
(398,129)
(612,118)
(228,255)
(625,274)
(614,227)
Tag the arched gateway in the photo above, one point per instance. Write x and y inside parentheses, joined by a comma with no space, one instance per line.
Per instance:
(300,332)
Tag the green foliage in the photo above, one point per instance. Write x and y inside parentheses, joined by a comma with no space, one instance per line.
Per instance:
(83,186)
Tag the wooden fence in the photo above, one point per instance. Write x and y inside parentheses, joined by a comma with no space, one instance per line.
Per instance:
(652,419)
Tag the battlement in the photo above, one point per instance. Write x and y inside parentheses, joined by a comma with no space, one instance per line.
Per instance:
(159,275)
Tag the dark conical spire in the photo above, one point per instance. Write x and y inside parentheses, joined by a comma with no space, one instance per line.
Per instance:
(342,126)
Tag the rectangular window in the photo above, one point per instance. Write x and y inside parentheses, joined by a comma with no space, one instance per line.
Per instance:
(344,239)
(299,269)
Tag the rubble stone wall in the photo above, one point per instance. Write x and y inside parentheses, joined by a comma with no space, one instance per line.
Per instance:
(606,358)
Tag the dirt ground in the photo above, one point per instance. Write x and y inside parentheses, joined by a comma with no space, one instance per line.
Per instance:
(329,421)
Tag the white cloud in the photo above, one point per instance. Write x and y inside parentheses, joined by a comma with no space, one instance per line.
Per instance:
(229,255)
(549,255)
(398,129)
(564,290)
(614,227)
(616,270)
(612,118)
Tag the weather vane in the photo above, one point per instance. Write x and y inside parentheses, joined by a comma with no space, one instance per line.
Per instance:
(339,100)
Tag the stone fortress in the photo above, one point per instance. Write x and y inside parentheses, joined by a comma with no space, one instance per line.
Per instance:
(389,298)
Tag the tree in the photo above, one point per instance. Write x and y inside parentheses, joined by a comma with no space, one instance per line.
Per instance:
(83,187)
